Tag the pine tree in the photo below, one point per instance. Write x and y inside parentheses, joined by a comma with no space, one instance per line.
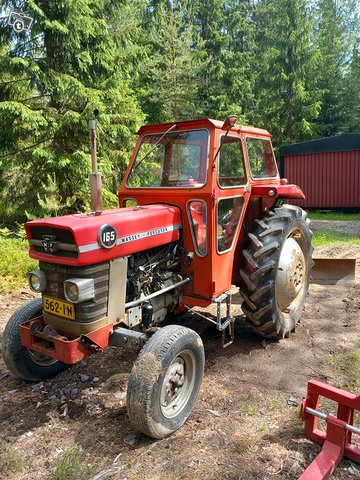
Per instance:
(69,64)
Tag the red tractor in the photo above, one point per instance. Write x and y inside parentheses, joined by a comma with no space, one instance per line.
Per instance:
(200,209)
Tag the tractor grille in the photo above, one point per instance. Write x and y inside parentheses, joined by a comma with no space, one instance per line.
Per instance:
(91,310)
(63,243)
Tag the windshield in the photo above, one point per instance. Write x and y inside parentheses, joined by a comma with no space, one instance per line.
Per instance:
(179,159)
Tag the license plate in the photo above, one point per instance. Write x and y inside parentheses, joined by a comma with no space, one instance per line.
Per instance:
(58,307)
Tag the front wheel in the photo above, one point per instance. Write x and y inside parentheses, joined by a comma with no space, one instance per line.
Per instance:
(276,274)
(165,381)
(22,362)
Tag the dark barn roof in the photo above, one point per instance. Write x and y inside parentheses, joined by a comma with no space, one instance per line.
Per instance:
(341,143)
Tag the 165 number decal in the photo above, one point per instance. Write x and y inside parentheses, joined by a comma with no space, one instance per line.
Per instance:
(107,236)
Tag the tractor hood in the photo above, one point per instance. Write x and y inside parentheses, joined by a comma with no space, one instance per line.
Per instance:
(84,239)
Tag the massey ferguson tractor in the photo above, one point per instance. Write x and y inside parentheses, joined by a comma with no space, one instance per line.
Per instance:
(200,209)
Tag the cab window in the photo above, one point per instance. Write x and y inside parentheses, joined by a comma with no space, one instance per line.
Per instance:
(261,158)
(229,212)
(231,171)
(177,159)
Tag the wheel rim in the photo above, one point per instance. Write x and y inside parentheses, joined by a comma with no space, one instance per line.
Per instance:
(178,384)
(291,274)
(40,359)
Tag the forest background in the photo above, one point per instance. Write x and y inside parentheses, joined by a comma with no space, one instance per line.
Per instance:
(290,66)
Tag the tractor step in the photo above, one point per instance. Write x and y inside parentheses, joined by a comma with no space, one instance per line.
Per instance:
(333,271)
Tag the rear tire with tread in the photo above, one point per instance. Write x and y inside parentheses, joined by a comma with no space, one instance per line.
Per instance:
(276,273)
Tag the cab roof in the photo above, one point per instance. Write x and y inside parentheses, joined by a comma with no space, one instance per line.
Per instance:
(201,123)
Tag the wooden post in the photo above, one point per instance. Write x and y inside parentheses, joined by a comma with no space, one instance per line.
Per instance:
(95,176)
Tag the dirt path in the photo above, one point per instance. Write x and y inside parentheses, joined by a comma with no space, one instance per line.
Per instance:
(242,426)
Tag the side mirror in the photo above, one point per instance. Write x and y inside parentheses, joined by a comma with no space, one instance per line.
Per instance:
(229,122)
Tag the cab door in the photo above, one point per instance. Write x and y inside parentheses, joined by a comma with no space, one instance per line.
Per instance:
(231,199)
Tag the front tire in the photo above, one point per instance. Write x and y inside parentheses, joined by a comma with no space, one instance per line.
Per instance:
(276,274)
(22,362)
(165,381)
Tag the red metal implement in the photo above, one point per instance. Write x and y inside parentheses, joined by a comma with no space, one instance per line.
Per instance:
(337,438)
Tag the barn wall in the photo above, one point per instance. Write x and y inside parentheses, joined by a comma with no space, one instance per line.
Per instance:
(329,179)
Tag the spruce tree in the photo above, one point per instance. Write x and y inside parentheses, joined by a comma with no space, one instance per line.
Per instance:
(285,86)
(170,74)
(352,94)
(332,40)
(69,65)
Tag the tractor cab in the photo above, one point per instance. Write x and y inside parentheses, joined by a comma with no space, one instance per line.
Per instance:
(209,169)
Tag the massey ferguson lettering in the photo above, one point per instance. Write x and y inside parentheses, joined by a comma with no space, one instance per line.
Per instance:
(139,236)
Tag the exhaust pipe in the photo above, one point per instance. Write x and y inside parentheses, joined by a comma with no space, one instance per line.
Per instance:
(95,176)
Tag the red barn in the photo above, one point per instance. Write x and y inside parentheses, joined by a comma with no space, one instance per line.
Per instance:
(328,171)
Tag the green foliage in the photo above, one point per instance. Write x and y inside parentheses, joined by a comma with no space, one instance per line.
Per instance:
(67,66)
(352,92)
(324,238)
(288,100)
(15,262)
(171,70)
(291,66)
(10,461)
(334,41)
(72,465)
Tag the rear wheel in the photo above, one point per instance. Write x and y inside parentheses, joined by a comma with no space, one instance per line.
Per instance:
(276,273)
(165,381)
(22,362)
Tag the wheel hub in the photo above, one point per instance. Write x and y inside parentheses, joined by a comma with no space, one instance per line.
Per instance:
(174,382)
(291,274)
(178,384)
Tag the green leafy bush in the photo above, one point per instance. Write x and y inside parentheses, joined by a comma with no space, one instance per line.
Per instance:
(15,263)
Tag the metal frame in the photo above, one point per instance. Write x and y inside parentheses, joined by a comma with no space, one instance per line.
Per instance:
(337,438)
(222,324)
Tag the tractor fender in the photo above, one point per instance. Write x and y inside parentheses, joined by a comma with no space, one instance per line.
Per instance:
(277,191)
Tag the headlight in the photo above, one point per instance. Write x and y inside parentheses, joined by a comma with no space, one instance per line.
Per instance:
(72,292)
(78,290)
(37,281)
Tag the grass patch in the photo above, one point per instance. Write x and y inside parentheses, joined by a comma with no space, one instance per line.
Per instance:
(72,465)
(250,410)
(347,366)
(10,460)
(298,427)
(277,404)
(15,263)
(323,238)
(333,215)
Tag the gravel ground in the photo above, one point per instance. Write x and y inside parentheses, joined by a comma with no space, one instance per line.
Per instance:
(340,226)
